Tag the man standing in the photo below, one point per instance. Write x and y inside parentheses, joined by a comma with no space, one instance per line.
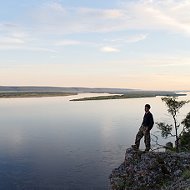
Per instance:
(144,130)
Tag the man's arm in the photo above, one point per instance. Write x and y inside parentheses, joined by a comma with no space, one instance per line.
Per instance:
(151,122)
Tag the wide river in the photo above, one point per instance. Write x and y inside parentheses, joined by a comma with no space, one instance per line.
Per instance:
(55,144)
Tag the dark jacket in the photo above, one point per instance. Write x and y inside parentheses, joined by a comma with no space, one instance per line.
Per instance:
(148,120)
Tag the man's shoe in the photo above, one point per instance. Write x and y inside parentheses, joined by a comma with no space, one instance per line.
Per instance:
(134,147)
(147,150)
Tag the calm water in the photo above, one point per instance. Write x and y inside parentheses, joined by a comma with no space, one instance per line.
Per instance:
(55,144)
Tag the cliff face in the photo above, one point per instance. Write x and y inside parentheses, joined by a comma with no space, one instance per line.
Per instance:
(152,171)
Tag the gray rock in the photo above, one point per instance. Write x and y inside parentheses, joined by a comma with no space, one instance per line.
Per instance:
(151,171)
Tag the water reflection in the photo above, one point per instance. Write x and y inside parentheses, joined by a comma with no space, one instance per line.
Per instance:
(52,143)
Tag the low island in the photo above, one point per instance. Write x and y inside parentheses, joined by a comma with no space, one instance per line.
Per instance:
(131,94)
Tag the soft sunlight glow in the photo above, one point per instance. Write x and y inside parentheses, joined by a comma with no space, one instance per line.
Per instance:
(125,44)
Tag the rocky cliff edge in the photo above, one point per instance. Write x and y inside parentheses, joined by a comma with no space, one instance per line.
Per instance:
(152,171)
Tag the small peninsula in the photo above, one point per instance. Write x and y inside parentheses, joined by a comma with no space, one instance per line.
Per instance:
(130,94)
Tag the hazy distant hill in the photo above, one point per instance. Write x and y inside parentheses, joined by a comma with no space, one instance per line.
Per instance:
(61,89)
(74,90)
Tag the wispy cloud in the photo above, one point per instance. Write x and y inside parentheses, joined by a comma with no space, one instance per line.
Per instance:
(27,48)
(7,25)
(108,49)
(11,41)
(56,7)
(116,44)
(15,37)
(136,38)
(55,18)
(20,41)
(168,15)
(12,35)
(102,13)
(127,39)
(67,43)
(160,15)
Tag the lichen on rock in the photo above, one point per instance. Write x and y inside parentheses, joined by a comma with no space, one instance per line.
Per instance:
(150,171)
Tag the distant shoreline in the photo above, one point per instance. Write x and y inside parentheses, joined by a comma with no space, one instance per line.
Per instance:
(33,94)
(113,93)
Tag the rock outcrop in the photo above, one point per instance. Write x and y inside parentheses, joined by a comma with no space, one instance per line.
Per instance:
(152,171)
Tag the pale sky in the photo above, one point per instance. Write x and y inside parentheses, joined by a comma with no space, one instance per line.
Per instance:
(142,44)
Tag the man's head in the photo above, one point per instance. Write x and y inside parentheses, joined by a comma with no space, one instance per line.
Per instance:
(147,107)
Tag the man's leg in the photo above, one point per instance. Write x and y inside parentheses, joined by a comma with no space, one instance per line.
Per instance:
(139,136)
(147,140)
